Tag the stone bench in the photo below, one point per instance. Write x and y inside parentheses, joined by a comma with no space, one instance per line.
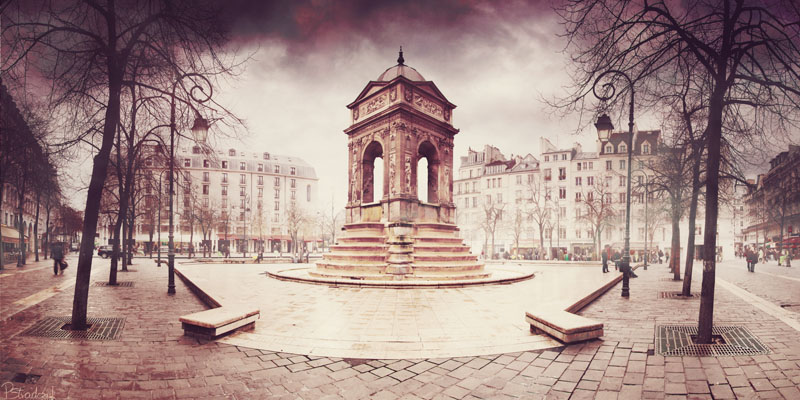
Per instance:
(213,323)
(563,325)
(159,262)
(228,261)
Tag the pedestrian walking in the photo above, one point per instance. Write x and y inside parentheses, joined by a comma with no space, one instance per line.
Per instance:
(754,259)
(57,252)
(604,256)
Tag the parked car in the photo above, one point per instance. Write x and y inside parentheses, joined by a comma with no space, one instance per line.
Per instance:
(105,251)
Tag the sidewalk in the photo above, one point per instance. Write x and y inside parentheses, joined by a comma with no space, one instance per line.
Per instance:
(153,360)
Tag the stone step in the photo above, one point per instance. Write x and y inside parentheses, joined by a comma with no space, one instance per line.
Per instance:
(350,266)
(440,248)
(427,257)
(365,247)
(413,277)
(355,256)
(435,227)
(361,239)
(443,239)
(364,225)
(437,269)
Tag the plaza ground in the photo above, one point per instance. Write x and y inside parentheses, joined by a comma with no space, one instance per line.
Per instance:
(152,359)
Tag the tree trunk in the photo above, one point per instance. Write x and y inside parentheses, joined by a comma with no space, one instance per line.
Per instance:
(2,250)
(706,315)
(47,227)
(21,226)
(36,228)
(80,300)
(116,241)
(675,256)
(687,277)
(541,240)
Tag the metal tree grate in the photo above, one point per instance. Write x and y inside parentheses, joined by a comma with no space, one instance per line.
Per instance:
(677,340)
(119,284)
(100,329)
(20,377)
(676,295)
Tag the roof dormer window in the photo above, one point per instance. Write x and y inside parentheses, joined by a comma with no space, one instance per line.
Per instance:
(232,153)
(623,148)
(646,148)
(609,149)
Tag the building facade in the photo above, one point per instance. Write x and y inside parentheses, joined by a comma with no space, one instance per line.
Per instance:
(770,208)
(247,201)
(575,195)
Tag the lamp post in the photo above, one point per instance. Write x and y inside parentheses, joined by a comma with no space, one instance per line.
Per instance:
(646,216)
(604,128)
(199,130)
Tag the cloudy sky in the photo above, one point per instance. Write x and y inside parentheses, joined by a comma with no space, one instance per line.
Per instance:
(312,58)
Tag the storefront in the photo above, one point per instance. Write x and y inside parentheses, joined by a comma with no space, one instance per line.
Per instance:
(10,241)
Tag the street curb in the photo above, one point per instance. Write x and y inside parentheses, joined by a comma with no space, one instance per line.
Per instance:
(203,296)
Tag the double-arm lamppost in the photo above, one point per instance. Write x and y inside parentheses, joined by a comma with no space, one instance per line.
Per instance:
(200,130)
(604,128)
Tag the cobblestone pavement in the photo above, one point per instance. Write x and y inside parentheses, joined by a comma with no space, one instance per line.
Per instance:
(153,360)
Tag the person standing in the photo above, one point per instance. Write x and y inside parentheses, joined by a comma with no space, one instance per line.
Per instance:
(604,257)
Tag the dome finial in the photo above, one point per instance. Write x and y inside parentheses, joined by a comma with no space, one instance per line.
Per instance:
(400,59)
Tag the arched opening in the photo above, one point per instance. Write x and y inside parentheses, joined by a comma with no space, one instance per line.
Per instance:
(372,165)
(431,171)
(422,179)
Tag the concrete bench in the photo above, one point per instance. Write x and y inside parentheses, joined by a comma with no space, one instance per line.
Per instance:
(213,323)
(564,326)
(228,261)
(159,262)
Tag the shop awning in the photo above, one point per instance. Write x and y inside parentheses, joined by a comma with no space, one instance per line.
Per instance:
(10,235)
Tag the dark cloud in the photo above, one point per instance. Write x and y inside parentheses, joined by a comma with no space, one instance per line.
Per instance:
(310,23)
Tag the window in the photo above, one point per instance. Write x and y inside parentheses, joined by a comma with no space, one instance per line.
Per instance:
(187,162)
(488,199)
(293,183)
(622,197)
(206,164)
(499,182)
(578,180)
(308,193)
(224,205)
(608,165)
(548,174)
(187,190)
(276,217)
(562,233)
(579,166)
(548,233)
(293,171)
(646,148)
(578,233)
(266,156)
(590,180)
(205,189)
(224,165)
(277,182)
(260,204)
(622,181)
(148,162)
(546,158)
(294,194)
(562,193)
(260,179)
(224,177)
(499,197)
(277,206)
(241,191)
(458,189)
(609,149)
(623,148)
(488,183)
(206,177)
(530,178)
(260,167)
(205,202)
(474,186)
(519,179)
(562,174)
(241,216)
(608,181)
(232,153)
(242,166)
(196,150)
(277,193)
(577,196)
(621,164)
(564,156)
(241,203)
(641,164)
(242,179)
(607,198)
(466,202)
(475,201)
(277,169)
(591,165)
(260,192)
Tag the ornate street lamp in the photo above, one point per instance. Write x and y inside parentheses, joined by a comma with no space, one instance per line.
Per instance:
(604,128)
(199,128)
(646,216)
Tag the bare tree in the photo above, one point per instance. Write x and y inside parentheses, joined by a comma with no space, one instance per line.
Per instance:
(540,208)
(748,52)
(597,209)
(86,48)
(493,213)
(296,220)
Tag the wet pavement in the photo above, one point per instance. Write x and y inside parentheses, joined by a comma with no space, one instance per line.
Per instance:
(152,359)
